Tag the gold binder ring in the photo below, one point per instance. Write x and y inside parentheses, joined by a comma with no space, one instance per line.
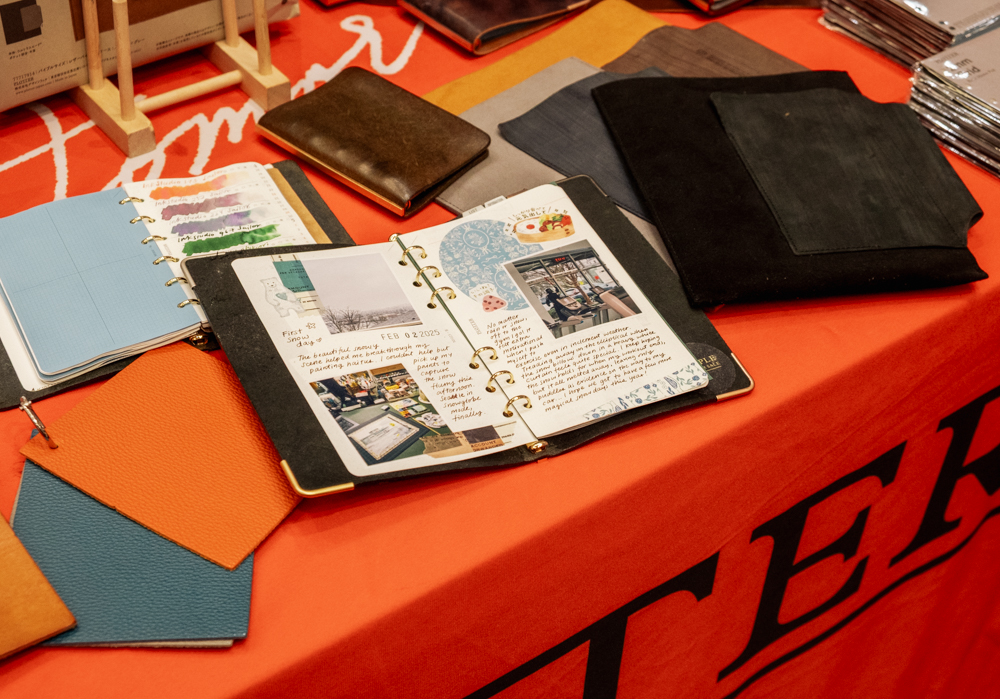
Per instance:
(473,364)
(507,412)
(151,237)
(490,388)
(165,258)
(188,302)
(144,217)
(423,254)
(420,272)
(451,295)
(394,238)
(176,280)
(126,200)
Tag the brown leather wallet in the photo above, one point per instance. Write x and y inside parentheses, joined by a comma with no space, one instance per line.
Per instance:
(382,141)
(481,27)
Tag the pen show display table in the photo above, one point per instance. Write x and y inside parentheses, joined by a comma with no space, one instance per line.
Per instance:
(831,534)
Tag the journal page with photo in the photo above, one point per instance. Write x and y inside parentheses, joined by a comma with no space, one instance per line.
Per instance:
(575,339)
(387,378)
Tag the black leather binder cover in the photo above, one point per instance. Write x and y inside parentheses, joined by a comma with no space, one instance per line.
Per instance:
(301,440)
(11,389)
(717,226)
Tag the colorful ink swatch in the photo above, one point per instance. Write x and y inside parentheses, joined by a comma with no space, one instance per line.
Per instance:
(213,185)
(202,207)
(231,240)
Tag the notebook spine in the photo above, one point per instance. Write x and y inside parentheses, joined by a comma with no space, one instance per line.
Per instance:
(437,294)
(153,238)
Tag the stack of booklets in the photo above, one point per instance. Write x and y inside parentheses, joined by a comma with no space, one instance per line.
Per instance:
(908,31)
(957,96)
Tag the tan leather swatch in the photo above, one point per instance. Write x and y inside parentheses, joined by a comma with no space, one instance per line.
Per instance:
(30,610)
(597,36)
(173,443)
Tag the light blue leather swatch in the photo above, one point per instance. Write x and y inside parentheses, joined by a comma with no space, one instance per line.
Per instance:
(124,583)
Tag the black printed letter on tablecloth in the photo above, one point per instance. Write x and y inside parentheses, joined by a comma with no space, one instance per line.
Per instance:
(963,424)
(786,530)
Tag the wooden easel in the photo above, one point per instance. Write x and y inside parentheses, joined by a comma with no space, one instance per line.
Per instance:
(114,110)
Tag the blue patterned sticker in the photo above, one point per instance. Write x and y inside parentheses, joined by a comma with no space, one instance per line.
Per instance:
(685,379)
(474,252)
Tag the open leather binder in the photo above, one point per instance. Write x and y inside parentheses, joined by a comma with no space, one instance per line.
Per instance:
(511,334)
(123,292)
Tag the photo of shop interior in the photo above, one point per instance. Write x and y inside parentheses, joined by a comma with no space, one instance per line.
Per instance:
(358,398)
(571,289)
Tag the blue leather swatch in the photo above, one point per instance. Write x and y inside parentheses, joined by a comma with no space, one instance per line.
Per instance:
(123,582)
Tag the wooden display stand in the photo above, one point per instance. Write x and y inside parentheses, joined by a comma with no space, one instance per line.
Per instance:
(114,109)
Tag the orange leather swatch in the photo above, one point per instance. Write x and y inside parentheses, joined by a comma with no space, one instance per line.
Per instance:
(597,36)
(30,610)
(173,443)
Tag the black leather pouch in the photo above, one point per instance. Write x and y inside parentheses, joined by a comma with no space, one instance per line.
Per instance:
(717,223)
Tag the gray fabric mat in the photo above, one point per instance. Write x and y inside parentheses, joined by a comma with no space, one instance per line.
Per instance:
(508,170)
(566,132)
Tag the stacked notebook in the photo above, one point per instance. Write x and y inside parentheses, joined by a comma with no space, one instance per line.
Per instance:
(908,31)
(482,27)
(957,96)
(88,282)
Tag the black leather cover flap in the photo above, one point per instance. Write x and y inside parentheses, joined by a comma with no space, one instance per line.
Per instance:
(716,224)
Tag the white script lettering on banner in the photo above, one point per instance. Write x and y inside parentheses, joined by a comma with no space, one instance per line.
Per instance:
(209,128)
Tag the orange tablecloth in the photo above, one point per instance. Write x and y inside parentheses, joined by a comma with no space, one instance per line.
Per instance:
(829,535)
